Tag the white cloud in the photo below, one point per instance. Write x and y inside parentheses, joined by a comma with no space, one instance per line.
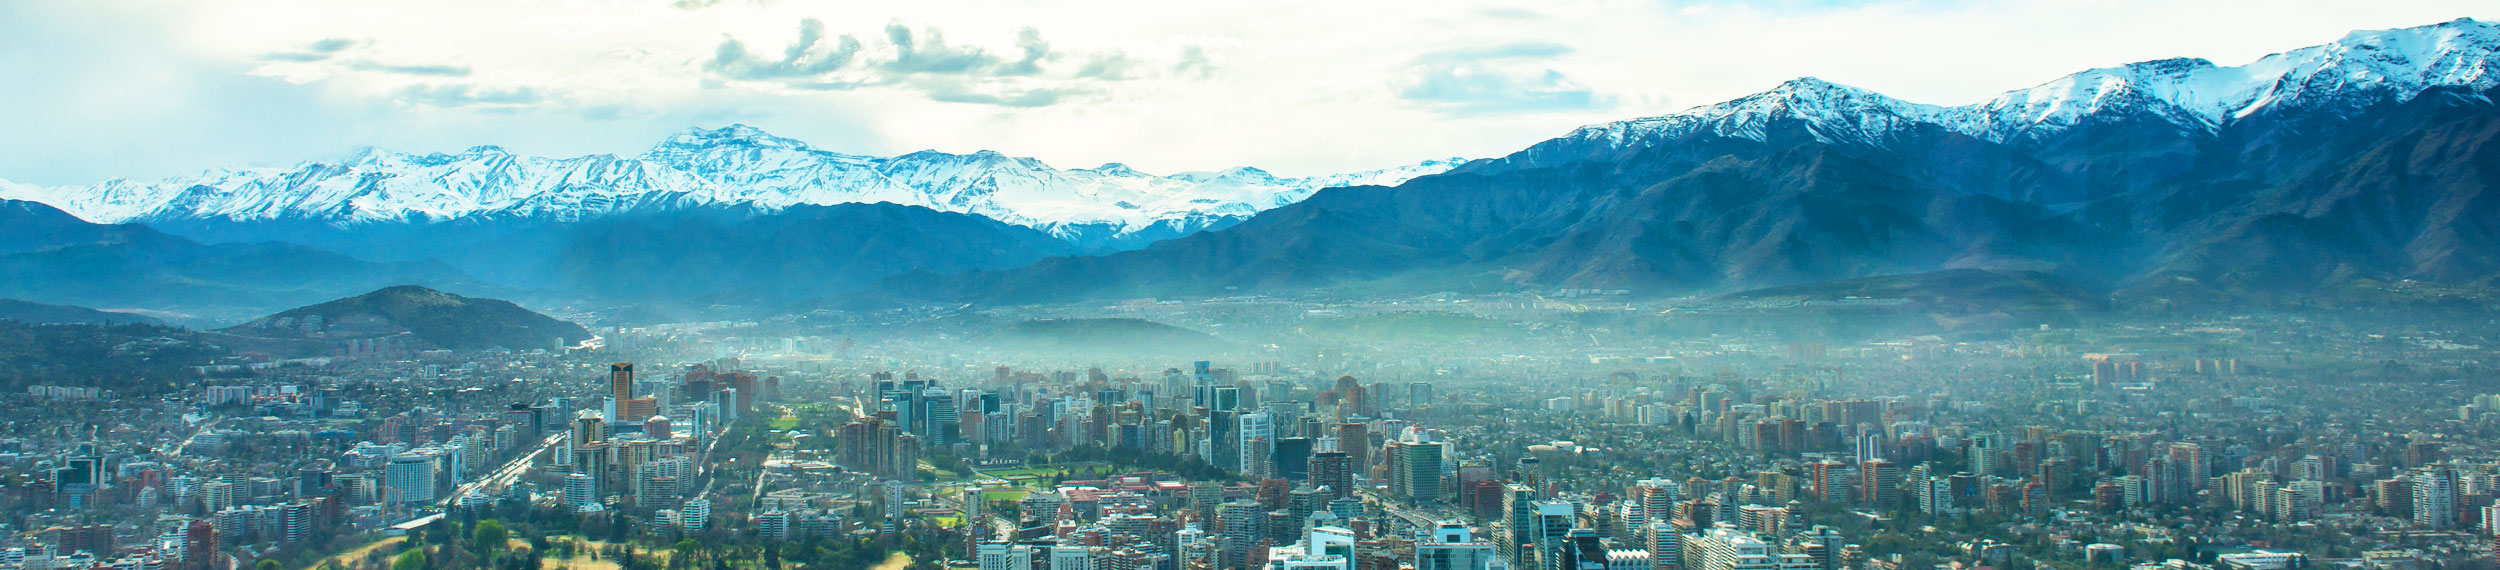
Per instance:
(156,88)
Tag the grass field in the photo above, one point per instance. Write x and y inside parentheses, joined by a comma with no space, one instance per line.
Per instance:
(349,558)
(898,561)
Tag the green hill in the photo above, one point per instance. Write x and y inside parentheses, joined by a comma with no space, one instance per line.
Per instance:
(434,318)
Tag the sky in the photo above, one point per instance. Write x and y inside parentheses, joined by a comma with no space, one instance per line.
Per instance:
(99,89)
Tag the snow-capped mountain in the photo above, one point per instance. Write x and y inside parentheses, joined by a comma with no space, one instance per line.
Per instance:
(736,165)
(2176,182)
(2363,68)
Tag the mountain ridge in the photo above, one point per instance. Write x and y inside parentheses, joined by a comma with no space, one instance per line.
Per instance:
(2344,161)
(735,165)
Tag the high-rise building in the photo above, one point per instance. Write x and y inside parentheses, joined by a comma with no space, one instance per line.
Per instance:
(581,491)
(1452,546)
(1241,521)
(1986,454)
(621,381)
(1257,438)
(1293,458)
(1329,471)
(1881,481)
(410,478)
(1548,532)
(1418,470)
(2435,498)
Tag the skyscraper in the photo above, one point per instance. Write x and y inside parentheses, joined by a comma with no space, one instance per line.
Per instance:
(621,382)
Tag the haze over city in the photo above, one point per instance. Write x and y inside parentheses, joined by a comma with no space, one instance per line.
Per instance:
(732,284)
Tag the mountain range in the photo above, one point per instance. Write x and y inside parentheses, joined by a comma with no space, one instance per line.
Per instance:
(740,167)
(2371,159)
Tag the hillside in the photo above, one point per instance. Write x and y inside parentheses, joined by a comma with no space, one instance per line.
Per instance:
(40,313)
(410,317)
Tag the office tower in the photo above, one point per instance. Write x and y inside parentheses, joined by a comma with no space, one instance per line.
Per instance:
(1549,527)
(1417,473)
(621,381)
(1293,458)
(1519,522)
(940,420)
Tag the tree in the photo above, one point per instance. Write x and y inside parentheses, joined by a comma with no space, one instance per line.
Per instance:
(414,559)
(489,536)
(268,565)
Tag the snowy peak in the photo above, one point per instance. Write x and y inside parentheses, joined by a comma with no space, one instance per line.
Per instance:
(736,135)
(732,165)
(2362,68)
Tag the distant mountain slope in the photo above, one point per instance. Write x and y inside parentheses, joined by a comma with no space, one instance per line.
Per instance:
(133,266)
(433,318)
(802,252)
(34,227)
(2368,158)
(39,313)
(1959,291)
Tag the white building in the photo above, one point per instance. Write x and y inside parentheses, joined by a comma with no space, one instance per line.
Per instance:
(1454,547)
(1324,548)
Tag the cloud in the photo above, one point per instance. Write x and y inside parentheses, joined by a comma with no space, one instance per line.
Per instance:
(1194,63)
(920,60)
(1030,42)
(812,55)
(1507,78)
(954,92)
(316,51)
(1511,13)
(1518,50)
(331,45)
(916,54)
(406,69)
(466,95)
(1108,67)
